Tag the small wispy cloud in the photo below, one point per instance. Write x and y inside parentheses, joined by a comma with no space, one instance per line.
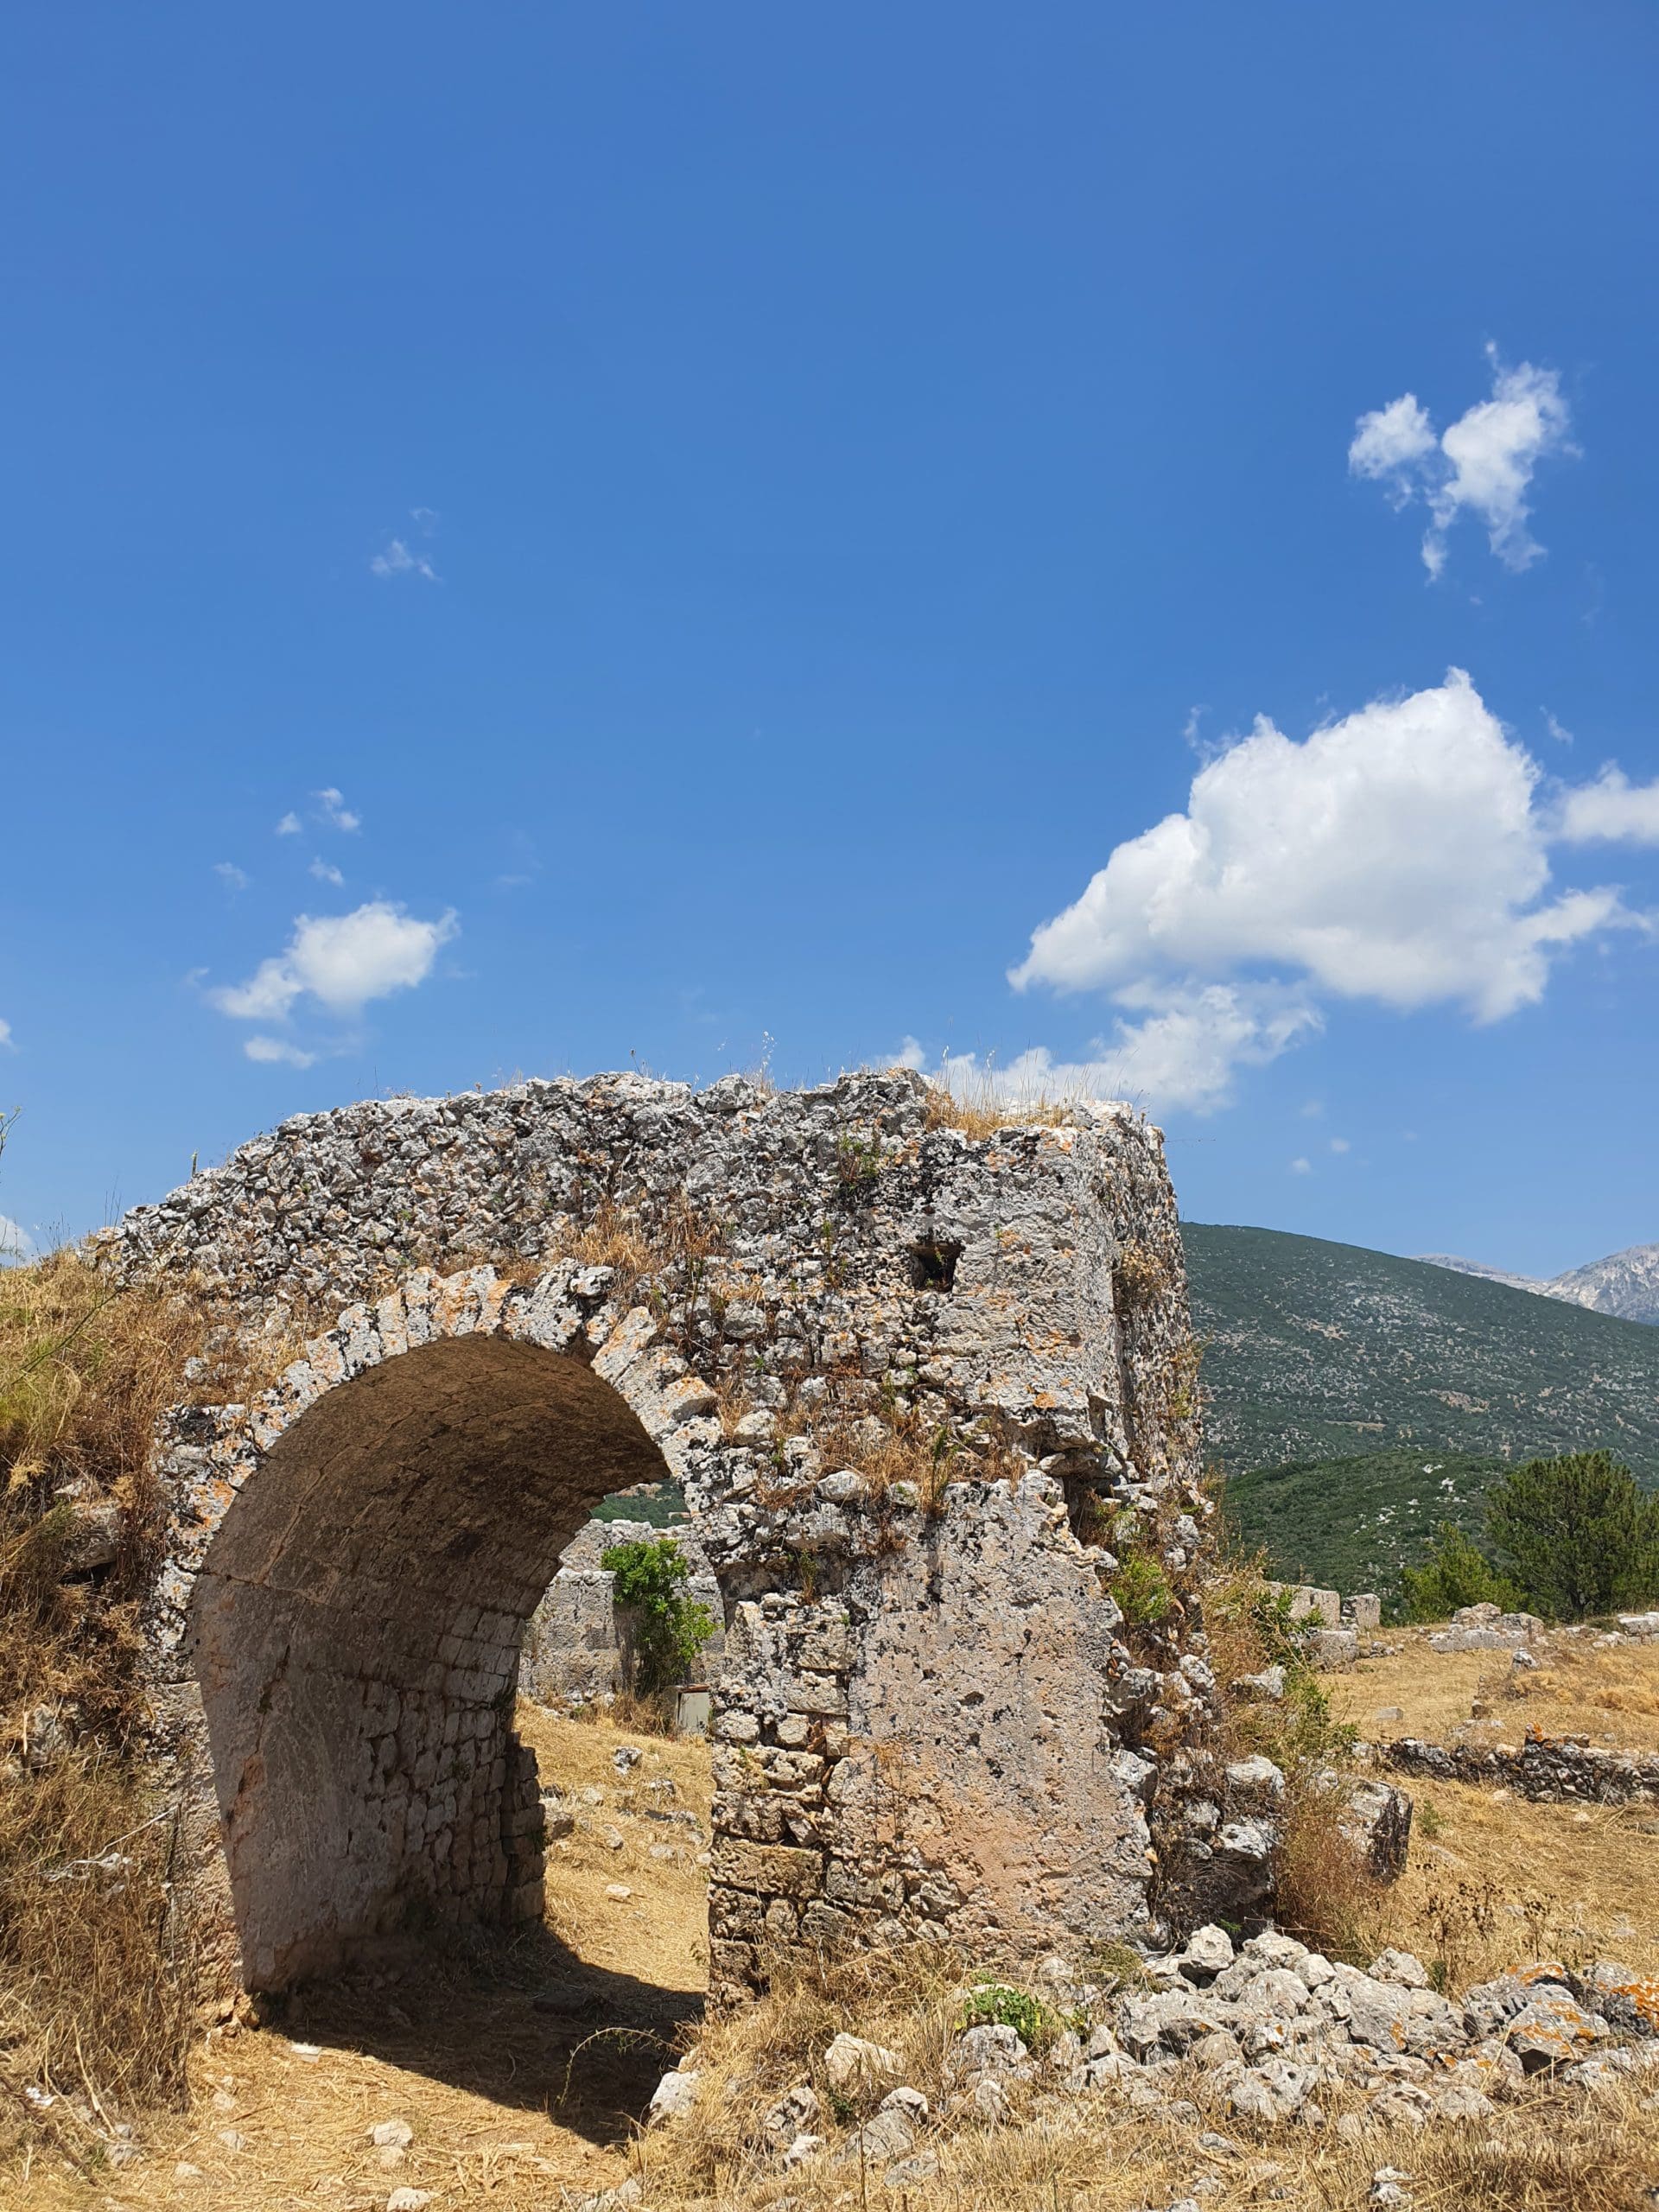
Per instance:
(15,1243)
(1482,464)
(334,813)
(289,826)
(325,872)
(230,876)
(277,1050)
(1561,735)
(399,558)
(5,1037)
(1301,1165)
(1340,1144)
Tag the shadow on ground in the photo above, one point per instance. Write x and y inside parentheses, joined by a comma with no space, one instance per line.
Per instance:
(525,2023)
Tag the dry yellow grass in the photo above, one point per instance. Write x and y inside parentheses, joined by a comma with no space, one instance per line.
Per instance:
(1609,1693)
(510,2070)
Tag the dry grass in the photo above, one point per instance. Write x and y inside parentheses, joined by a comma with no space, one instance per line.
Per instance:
(983,1109)
(1499,1879)
(1090,2154)
(614,1239)
(92,1999)
(1609,1693)
(522,2078)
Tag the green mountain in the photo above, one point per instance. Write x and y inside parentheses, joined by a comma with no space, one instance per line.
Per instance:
(1354,1400)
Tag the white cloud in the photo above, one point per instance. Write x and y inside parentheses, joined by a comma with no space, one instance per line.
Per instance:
(5,1037)
(1399,857)
(15,1243)
(1561,735)
(231,876)
(1482,463)
(342,961)
(325,872)
(911,1054)
(334,813)
(1394,855)
(397,561)
(1194,1039)
(1390,443)
(1183,1054)
(1340,1144)
(1300,1167)
(277,1049)
(288,826)
(1610,810)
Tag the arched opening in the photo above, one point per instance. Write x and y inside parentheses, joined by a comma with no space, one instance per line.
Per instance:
(356,1630)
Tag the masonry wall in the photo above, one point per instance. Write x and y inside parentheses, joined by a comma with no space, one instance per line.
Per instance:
(910,1379)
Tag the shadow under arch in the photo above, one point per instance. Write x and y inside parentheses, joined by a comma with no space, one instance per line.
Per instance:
(355,1631)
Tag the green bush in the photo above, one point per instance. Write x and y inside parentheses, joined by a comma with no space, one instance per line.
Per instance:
(999,2005)
(1455,1572)
(1580,1537)
(671,1627)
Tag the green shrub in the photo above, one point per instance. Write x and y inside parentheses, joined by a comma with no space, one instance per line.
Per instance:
(999,2005)
(1141,1589)
(1455,1572)
(671,1627)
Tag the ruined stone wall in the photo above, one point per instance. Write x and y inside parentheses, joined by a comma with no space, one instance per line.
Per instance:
(576,1647)
(915,1383)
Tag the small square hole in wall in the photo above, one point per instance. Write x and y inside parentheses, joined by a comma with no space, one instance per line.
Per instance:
(933,1265)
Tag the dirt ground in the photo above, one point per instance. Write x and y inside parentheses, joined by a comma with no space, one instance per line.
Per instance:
(1491,1875)
(519,2069)
(1609,1693)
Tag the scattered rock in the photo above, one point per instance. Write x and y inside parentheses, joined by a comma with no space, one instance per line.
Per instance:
(618,1893)
(1401,1967)
(397,2134)
(992,2050)
(850,2063)
(674,2095)
(1377,1820)
(911,2173)
(1275,2090)
(791,2116)
(408,2200)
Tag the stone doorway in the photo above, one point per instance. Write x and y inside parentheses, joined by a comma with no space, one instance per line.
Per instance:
(355,1634)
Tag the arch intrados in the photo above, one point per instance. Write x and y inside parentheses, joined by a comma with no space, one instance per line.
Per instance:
(356,1624)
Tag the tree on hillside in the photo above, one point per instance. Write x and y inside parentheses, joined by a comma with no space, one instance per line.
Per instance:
(1455,1572)
(1580,1536)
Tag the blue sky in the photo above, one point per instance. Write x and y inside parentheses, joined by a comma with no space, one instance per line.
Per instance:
(716,525)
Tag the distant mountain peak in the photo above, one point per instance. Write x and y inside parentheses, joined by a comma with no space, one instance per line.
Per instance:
(1625,1284)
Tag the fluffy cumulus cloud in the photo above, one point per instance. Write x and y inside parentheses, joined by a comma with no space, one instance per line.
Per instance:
(15,1243)
(1482,464)
(340,961)
(1400,856)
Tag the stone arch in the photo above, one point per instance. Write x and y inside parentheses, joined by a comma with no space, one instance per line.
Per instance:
(359,1589)
(909,1375)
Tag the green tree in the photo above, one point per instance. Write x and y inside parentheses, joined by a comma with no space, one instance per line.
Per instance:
(1455,1572)
(671,1626)
(1580,1537)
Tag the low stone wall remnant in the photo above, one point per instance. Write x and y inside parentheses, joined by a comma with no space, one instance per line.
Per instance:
(1564,1767)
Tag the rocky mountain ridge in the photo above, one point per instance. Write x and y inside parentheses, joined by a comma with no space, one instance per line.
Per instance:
(1625,1284)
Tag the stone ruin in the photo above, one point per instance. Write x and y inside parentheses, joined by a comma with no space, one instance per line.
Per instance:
(577,1650)
(914,1381)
